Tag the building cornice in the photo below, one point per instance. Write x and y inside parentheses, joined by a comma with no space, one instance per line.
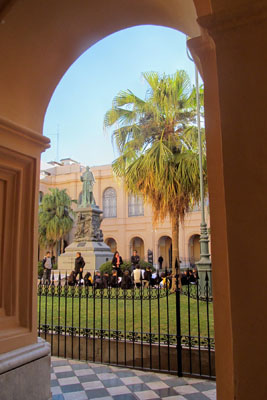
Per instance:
(248,14)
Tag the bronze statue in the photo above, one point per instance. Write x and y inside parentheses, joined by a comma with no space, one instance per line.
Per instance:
(87,193)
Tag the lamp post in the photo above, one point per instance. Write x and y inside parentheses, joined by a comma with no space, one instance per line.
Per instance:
(204,264)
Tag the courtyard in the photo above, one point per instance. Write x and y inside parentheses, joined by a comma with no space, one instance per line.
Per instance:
(75,380)
(40,40)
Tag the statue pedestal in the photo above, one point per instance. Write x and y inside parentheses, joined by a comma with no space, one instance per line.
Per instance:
(88,241)
(94,254)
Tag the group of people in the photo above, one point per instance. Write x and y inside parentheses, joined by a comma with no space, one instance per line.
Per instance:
(125,280)
(136,277)
(189,276)
(47,265)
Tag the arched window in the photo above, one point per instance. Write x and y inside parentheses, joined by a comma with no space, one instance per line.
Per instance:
(110,203)
(135,205)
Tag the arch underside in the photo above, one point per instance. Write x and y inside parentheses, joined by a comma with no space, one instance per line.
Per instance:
(51,35)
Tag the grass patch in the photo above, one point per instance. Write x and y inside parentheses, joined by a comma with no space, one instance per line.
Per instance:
(154,315)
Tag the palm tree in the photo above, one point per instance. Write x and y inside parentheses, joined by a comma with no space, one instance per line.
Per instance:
(155,138)
(54,218)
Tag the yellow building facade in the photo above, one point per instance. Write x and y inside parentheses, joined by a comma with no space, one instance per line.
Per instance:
(127,221)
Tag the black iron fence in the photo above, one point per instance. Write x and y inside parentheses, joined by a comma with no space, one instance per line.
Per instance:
(161,327)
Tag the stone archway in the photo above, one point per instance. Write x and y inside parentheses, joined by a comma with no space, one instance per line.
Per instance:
(165,251)
(36,50)
(194,248)
(137,244)
(112,244)
(37,74)
(33,47)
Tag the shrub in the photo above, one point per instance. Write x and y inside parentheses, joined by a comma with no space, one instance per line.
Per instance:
(145,264)
(127,265)
(106,268)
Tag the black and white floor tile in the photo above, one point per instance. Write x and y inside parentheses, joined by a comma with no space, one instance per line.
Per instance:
(75,380)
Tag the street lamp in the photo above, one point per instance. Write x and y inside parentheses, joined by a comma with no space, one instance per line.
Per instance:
(204,264)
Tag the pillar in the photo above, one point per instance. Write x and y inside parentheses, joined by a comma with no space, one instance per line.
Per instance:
(233,57)
(23,358)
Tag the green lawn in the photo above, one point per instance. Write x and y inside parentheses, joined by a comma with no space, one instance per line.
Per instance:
(118,314)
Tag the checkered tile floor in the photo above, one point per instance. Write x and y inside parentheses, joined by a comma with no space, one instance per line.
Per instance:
(74,380)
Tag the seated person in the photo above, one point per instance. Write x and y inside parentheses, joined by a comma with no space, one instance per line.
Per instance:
(72,279)
(126,282)
(137,276)
(191,277)
(164,283)
(147,276)
(88,280)
(155,279)
(184,278)
(98,280)
(105,280)
(114,281)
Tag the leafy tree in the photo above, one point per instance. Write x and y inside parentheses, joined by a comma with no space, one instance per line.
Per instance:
(156,141)
(54,218)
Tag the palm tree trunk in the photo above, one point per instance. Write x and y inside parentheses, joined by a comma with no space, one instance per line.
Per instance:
(175,250)
(61,245)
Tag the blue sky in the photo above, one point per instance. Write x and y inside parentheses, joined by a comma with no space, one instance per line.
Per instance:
(85,92)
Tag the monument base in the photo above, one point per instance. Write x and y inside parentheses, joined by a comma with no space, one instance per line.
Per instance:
(25,373)
(94,254)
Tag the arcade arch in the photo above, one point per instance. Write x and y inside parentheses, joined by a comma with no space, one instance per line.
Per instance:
(137,243)
(194,248)
(165,251)
(112,244)
(31,30)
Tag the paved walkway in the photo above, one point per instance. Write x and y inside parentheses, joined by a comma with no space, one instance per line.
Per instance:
(75,380)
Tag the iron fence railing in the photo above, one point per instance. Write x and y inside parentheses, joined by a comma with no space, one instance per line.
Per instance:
(161,328)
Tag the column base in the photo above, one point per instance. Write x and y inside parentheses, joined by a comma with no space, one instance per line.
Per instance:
(25,373)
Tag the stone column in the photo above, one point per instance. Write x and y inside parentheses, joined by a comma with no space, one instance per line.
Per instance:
(233,65)
(20,351)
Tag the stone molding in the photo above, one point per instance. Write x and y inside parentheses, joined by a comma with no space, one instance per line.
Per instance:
(19,172)
(249,14)
(29,135)
(24,355)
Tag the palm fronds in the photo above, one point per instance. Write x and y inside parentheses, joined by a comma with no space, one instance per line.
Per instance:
(157,142)
(54,217)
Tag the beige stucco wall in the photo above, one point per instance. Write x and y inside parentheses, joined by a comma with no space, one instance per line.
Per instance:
(122,228)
